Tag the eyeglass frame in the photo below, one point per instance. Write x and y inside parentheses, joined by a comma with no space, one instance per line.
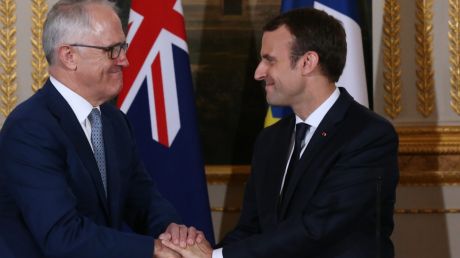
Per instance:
(109,49)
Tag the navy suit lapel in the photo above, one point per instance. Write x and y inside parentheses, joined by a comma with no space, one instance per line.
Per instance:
(322,137)
(277,162)
(72,128)
(113,177)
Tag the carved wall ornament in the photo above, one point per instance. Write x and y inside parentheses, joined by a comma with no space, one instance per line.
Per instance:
(424,61)
(429,140)
(454,49)
(8,62)
(427,211)
(392,58)
(39,63)
(396,211)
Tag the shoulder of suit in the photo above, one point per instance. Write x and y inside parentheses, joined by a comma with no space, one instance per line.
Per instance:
(32,108)
(111,109)
(363,114)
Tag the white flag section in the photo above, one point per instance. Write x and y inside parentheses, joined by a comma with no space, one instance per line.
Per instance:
(354,74)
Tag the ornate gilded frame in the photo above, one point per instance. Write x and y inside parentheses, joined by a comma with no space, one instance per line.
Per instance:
(429,142)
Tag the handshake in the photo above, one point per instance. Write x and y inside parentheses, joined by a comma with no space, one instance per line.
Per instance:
(180,241)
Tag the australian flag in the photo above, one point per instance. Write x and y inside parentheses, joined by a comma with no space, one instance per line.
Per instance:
(158,99)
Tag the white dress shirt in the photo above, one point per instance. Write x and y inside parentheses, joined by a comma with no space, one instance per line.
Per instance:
(80,106)
(314,119)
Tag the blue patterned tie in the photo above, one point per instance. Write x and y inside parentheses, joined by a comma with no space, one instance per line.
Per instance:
(98,144)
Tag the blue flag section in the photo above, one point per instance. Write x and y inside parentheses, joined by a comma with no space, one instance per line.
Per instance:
(159,101)
(354,75)
(287,5)
(347,7)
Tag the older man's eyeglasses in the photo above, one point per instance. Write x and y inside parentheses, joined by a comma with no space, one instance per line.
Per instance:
(113,50)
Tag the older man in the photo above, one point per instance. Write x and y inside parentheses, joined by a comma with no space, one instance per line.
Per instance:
(70,176)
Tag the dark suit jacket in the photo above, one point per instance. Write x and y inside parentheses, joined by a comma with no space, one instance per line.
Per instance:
(340,200)
(52,202)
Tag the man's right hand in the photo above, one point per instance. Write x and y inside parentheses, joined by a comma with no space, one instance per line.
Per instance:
(161,251)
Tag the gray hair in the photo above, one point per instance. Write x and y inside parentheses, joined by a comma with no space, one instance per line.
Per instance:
(66,21)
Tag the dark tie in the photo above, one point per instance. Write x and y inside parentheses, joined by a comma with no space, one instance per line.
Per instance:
(98,144)
(300,132)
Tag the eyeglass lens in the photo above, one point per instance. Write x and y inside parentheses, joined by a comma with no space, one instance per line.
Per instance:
(115,51)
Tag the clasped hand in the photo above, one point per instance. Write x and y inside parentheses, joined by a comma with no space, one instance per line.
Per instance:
(180,241)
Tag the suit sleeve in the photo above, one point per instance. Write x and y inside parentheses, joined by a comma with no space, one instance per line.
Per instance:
(347,193)
(34,162)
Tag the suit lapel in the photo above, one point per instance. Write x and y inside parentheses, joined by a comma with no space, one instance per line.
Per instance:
(113,177)
(72,128)
(277,162)
(321,138)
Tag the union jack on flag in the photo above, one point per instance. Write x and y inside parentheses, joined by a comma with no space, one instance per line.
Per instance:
(152,32)
(158,98)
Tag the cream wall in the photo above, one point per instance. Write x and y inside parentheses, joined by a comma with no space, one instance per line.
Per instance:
(442,113)
(428,218)
(23,14)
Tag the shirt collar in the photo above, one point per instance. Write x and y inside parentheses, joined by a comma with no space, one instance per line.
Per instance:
(315,118)
(80,106)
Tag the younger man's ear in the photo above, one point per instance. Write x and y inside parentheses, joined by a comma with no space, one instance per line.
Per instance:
(309,62)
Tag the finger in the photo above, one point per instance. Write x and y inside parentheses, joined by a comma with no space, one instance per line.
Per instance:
(191,235)
(165,236)
(199,236)
(173,229)
(183,236)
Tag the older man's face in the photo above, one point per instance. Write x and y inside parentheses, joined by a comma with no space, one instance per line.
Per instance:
(100,76)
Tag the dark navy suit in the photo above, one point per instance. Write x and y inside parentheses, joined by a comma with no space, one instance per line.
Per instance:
(52,202)
(340,199)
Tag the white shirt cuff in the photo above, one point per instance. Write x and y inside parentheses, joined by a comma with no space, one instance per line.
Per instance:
(217,253)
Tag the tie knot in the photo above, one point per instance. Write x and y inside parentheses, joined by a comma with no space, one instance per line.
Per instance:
(300,132)
(95,117)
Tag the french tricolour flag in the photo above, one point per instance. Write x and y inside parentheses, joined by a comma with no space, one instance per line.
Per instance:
(158,99)
(354,75)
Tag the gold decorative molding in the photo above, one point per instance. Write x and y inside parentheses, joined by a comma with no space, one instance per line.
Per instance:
(407,177)
(428,144)
(454,48)
(8,63)
(226,209)
(397,211)
(429,140)
(427,211)
(227,174)
(427,157)
(424,61)
(392,58)
(39,63)
(429,178)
